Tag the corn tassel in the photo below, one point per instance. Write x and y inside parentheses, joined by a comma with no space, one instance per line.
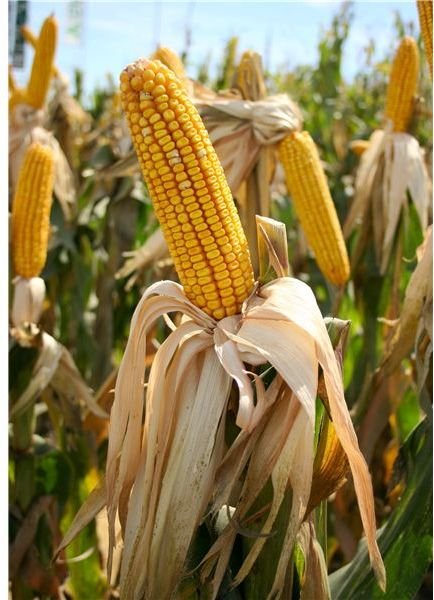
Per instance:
(188,188)
(31,211)
(307,184)
(402,86)
(42,67)
(425,11)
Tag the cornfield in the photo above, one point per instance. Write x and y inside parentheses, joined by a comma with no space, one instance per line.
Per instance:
(220,326)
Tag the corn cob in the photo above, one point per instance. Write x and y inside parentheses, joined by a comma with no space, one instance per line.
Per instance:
(42,67)
(31,211)
(191,197)
(32,40)
(169,58)
(307,184)
(402,86)
(425,19)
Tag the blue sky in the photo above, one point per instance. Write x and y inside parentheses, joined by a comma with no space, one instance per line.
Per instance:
(285,33)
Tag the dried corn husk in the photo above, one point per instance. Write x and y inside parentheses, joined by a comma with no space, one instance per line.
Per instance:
(392,166)
(55,367)
(279,326)
(163,477)
(29,295)
(315,583)
(153,250)
(239,128)
(68,120)
(414,313)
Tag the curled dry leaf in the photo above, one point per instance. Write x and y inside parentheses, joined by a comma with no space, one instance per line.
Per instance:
(26,534)
(417,295)
(42,375)
(153,250)
(55,367)
(315,583)
(93,505)
(239,128)
(152,470)
(392,167)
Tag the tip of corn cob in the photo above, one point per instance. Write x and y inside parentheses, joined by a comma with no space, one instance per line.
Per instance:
(171,59)
(43,63)
(401,91)
(191,197)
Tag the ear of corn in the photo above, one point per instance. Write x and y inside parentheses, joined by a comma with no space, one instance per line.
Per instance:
(402,86)
(32,40)
(31,211)
(307,185)
(425,10)
(42,67)
(191,197)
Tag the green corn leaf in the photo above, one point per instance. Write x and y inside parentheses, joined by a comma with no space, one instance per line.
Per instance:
(405,541)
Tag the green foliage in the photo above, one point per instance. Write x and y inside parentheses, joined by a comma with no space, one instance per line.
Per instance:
(406,540)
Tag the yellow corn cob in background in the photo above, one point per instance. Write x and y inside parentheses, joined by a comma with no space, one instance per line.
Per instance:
(32,40)
(191,197)
(425,10)
(11,80)
(169,58)
(402,87)
(42,67)
(31,211)
(307,185)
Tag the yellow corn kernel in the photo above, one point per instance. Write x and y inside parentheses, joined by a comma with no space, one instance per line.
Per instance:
(169,58)
(425,20)
(401,90)
(32,40)
(147,81)
(31,211)
(307,185)
(42,67)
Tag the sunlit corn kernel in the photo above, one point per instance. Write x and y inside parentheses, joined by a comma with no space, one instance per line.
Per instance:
(205,272)
(222,275)
(204,281)
(200,301)
(214,304)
